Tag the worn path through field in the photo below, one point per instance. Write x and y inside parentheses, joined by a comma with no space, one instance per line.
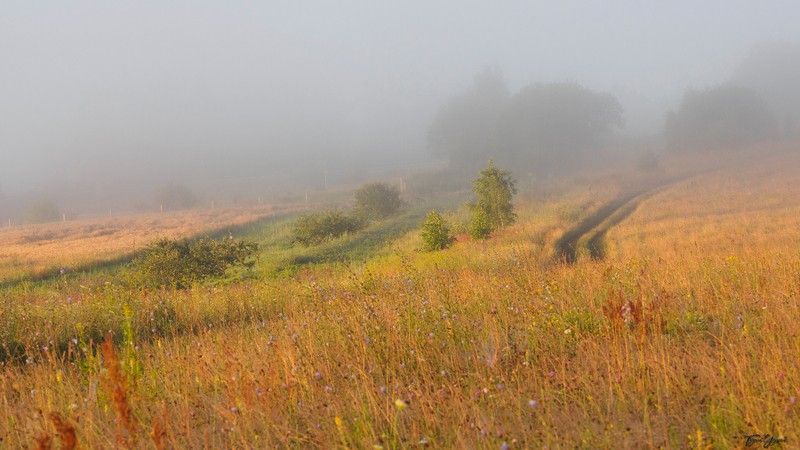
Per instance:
(595,227)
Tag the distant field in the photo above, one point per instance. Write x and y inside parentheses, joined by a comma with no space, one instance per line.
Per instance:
(34,250)
(749,210)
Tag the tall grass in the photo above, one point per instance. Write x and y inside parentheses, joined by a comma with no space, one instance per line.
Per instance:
(481,345)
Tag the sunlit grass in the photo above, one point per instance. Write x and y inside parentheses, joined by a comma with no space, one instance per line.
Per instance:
(679,339)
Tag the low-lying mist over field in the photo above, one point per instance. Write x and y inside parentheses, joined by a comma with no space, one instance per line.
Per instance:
(104,104)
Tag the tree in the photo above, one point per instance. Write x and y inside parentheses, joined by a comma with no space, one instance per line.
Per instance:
(551,124)
(479,227)
(376,201)
(175,197)
(494,188)
(43,211)
(722,117)
(465,127)
(435,233)
(773,70)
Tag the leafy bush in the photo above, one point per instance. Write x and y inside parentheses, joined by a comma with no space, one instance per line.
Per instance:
(316,228)
(435,233)
(181,263)
(376,201)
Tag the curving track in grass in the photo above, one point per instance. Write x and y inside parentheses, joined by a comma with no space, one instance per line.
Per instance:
(592,230)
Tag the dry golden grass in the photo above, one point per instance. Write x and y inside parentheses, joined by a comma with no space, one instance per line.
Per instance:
(37,249)
(752,208)
(664,344)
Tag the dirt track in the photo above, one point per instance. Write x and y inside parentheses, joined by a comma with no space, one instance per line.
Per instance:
(608,215)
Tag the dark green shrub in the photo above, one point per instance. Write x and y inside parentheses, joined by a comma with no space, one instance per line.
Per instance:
(181,263)
(376,201)
(316,228)
(435,233)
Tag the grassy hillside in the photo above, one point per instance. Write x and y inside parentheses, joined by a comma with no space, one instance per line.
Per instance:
(684,336)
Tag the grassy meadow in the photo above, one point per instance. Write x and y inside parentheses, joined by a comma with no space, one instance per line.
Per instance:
(41,250)
(684,336)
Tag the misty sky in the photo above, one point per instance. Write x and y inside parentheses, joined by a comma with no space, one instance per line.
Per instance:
(102,89)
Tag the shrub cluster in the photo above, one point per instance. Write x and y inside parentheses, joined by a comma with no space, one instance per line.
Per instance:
(373,201)
(181,263)
(377,201)
(316,228)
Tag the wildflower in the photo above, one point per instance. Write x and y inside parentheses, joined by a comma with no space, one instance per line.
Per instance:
(383,389)
(504,446)
(533,403)
(400,404)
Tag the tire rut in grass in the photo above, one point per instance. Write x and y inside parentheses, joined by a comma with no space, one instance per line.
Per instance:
(597,225)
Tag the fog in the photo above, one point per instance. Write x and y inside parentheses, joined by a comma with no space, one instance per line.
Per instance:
(106,101)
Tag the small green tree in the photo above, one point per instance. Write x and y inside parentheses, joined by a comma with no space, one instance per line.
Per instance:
(435,233)
(494,188)
(479,227)
(376,201)
(316,228)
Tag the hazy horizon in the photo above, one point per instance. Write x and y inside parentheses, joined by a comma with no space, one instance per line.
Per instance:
(140,93)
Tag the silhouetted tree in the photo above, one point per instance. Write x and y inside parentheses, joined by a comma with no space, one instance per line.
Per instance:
(465,128)
(773,71)
(175,197)
(550,124)
(723,117)
(43,211)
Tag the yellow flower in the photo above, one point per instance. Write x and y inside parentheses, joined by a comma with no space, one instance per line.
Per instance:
(400,404)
